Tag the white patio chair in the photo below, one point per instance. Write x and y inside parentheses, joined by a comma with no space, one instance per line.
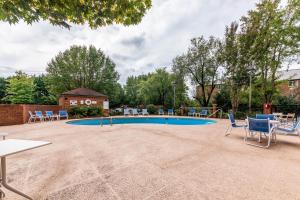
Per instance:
(135,111)
(145,112)
(126,111)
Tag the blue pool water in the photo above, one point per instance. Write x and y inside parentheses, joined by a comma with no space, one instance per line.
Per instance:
(144,120)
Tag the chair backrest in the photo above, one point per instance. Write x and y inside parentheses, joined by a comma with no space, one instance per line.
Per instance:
(49,113)
(277,114)
(170,111)
(38,113)
(265,116)
(161,110)
(259,125)
(145,111)
(31,114)
(135,111)
(204,112)
(192,110)
(63,113)
(231,118)
(297,124)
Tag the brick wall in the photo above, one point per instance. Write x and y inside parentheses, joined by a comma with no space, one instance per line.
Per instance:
(285,90)
(11,114)
(64,101)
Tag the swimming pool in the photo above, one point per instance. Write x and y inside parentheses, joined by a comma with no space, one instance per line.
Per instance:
(143,120)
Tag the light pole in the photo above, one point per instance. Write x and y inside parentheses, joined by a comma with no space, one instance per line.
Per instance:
(174,97)
(250,88)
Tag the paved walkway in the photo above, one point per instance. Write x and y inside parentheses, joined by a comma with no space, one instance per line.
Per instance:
(151,162)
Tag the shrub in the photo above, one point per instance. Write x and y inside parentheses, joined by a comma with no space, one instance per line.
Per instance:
(85,111)
(152,109)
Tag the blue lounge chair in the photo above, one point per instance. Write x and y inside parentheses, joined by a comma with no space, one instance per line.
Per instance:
(232,124)
(170,112)
(39,115)
(260,127)
(145,112)
(203,113)
(293,130)
(50,115)
(265,116)
(192,112)
(63,114)
(161,111)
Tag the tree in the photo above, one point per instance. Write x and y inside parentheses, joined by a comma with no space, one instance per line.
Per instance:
(276,34)
(80,66)
(201,65)
(41,95)
(19,89)
(2,89)
(63,13)
(158,88)
(117,98)
(132,90)
(233,60)
(180,80)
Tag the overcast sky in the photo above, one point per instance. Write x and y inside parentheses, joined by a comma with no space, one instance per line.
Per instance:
(164,33)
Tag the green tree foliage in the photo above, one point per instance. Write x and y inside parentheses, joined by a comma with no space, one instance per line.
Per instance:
(156,88)
(19,89)
(180,81)
(233,60)
(133,89)
(117,97)
(2,89)
(201,64)
(274,34)
(82,66)
(41,95)
(63,13)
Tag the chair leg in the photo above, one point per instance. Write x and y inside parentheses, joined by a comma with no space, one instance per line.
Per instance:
(228,130)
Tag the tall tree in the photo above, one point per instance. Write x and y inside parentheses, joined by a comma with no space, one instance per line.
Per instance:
(201,64)
(276,40)
(63,12)
(157,89)
(179,80)
(19,89)
(2,89)
(236,70)
(82,66)
(41,95)
(132,89)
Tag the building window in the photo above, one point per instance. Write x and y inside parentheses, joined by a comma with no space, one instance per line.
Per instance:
(292,83)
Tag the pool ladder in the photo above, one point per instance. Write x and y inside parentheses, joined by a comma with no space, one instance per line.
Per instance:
(101,121)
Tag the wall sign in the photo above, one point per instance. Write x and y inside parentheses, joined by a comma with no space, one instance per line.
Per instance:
(88,102)
(105,105)
(73,102)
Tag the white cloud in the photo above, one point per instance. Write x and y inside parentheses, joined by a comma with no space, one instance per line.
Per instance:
(164,33)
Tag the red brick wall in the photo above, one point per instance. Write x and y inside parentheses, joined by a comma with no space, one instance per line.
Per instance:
(285,90)
(64,101)
(11,114)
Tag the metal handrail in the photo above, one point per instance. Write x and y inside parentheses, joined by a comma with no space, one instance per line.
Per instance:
(215,113)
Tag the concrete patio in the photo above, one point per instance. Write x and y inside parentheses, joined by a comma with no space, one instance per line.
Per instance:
(151,162)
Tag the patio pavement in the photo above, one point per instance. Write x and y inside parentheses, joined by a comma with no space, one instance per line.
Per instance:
(151,162)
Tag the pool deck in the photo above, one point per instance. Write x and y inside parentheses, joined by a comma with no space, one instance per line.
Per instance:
(151,162)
